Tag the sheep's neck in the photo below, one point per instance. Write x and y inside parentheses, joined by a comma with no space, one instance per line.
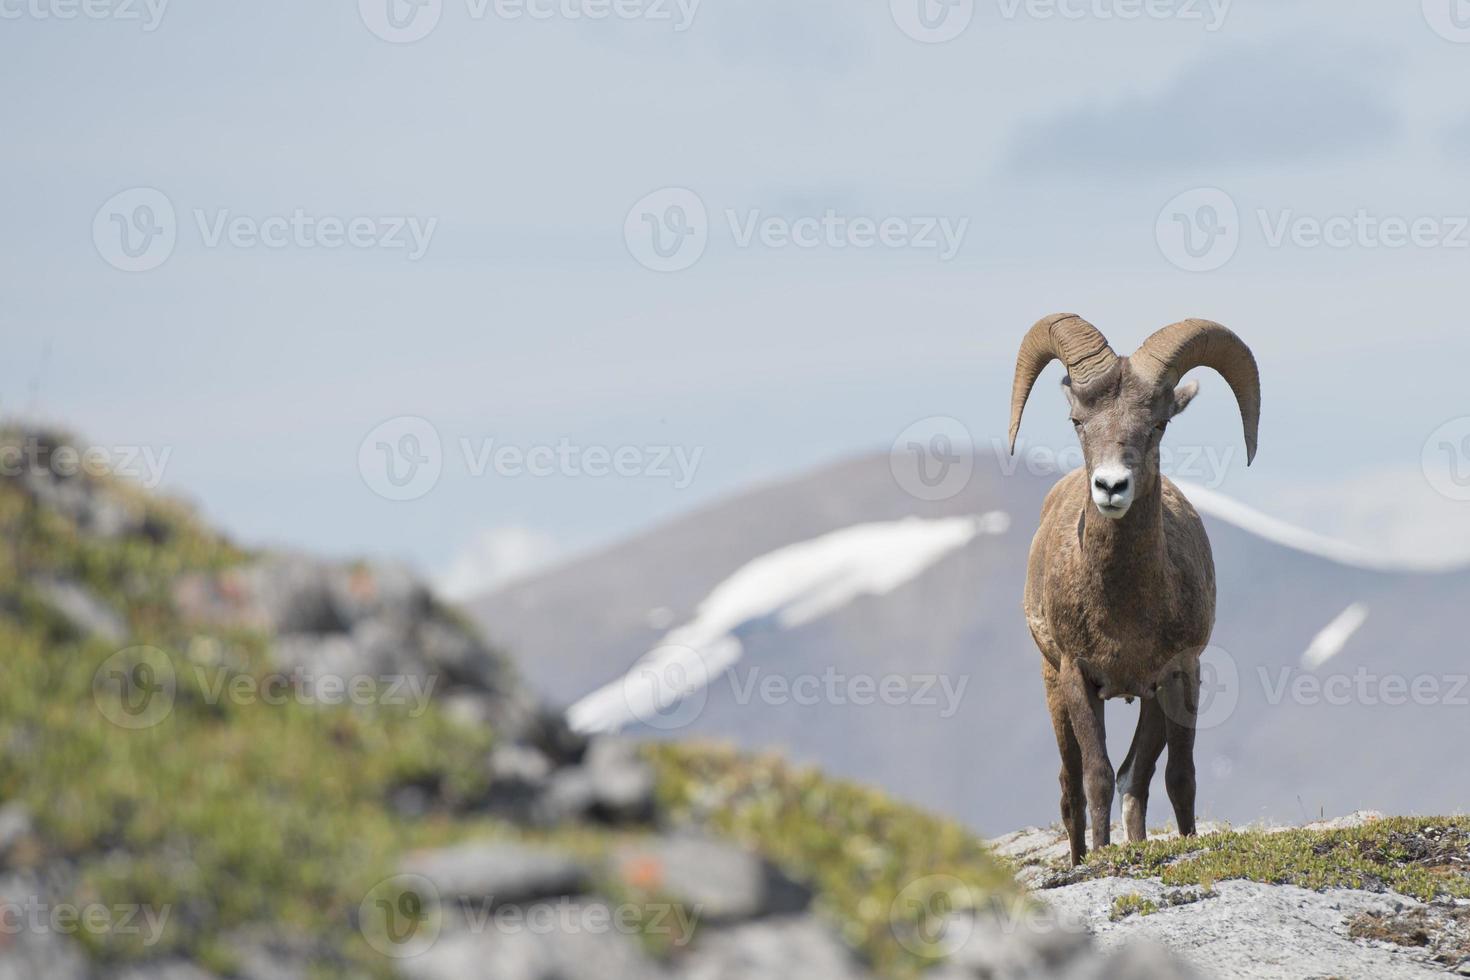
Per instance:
(1129,552)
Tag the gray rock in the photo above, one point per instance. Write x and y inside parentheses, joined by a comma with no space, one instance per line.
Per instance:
(15,825)
(612,784)
(519,776)
(91,504)
(788,948)
(622,782)
(1141,959)
(570,796)
(460,655)
(29,954)
(581,945)
(361,590)
(519,764)
(31,947)
(162,970)
(1014,943)
(82,608)
(498,872)
(717,881)
(292,594)
(1249,929)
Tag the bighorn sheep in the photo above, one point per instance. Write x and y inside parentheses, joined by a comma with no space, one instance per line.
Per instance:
(1120,587)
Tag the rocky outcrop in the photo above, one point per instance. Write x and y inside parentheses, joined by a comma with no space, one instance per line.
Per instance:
(362,620)
(1248,928)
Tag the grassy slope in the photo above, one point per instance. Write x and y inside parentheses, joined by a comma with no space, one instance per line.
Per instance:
(1422,857)
(234,814)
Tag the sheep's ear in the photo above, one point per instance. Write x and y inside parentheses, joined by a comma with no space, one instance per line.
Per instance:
(1183,395)
(1067,390)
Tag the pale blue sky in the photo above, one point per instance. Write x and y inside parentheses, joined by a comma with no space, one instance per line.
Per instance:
(528,321)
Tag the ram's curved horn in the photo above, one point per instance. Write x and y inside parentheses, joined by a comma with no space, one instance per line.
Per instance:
(1166,356)
(1065,337)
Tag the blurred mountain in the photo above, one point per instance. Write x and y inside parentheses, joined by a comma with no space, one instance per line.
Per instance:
(1288,734)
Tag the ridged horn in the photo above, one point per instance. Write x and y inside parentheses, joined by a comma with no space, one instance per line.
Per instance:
(1065,337)
(1170,353)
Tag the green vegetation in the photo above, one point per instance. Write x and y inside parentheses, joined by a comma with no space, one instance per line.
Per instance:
(867,858)
(1131,904)
(232,814)
(223,813)
(1423,857)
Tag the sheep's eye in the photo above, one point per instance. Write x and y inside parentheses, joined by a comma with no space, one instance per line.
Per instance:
(1161,426)
(1076,423)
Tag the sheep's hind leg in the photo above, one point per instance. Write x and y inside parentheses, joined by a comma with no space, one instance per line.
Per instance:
(1179,697)
(1138,768)
(1085,711)
(1074,812)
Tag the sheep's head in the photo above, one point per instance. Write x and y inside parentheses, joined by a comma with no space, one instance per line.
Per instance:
(1121,405)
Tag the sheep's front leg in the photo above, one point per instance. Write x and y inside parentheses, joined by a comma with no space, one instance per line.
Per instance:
(1137,771)
(1074,803)
(1179,698)
(1085,710)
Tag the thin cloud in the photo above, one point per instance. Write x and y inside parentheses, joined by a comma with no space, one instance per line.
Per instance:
(1264,105)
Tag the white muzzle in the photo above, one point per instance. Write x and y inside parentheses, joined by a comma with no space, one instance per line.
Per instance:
(1112,490)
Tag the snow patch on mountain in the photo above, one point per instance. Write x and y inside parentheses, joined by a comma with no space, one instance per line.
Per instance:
(1334,636)
(1247,518)
(780,590)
